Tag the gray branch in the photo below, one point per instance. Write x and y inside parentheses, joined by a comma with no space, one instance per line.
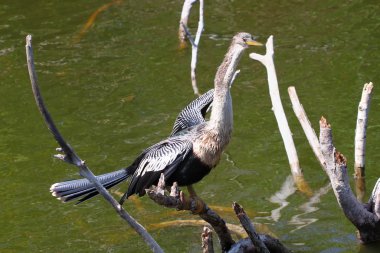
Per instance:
(363,217)
(68,155)
(250,229)
(360,140)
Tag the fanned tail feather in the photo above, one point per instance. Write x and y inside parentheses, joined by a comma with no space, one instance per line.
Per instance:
(70,190)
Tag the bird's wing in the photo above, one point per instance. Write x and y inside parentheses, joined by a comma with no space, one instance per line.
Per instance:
(194,113)
(163,157)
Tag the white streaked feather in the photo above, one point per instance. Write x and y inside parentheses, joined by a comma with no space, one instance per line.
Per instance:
(163,154)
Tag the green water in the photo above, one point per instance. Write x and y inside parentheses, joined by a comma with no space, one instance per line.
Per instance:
(118,88)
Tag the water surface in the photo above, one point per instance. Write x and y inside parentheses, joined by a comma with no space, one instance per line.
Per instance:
(116,88)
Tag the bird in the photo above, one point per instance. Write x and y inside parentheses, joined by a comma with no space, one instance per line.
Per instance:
(191,151)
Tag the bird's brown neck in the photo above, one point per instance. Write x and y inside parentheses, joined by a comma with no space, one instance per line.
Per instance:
(217,134)
(221,114)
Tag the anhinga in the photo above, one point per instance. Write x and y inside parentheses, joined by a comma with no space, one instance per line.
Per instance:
(189,153)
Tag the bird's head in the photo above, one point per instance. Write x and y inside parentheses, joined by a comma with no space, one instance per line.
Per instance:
(245,40)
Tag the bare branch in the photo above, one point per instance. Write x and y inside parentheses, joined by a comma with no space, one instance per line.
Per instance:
(194,49)
(188,34)
(71,157)
(207,244)
(306,126)
(364,220)
(187,4)
(267,61)
(179,201)
(360,140)
(250,229)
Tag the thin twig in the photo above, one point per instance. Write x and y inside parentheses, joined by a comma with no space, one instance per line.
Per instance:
(71,157)
(194,49)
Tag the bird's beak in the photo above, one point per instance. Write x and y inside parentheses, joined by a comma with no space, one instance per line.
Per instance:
(253,43)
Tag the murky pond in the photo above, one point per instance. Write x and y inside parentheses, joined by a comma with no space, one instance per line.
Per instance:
(116,86)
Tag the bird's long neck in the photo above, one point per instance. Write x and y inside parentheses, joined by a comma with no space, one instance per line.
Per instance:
(221,118)
(217,134)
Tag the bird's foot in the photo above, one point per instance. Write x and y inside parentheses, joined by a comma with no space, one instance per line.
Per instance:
(198,206)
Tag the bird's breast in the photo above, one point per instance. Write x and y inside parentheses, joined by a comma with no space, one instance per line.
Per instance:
(209,146)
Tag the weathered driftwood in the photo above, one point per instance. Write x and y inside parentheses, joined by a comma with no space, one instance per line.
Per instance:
(178,200)
(68,155)
(267,61)
(306,126)
(360,141)
(365,218)
(182,34)
(207,243)
(194,42)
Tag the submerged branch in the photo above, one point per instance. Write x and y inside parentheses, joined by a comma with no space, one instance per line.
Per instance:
(68,155)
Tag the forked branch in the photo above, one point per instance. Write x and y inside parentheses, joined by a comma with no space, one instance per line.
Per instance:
(178,200)
(282,122)
(68,155)
(366,218)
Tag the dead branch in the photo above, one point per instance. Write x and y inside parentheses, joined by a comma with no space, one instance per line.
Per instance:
(182,34)
(207,244)
(250,229)
(267,61)
(306,126)
(360,140)
(178,200)
(363,217)
(68,155)
(185,33)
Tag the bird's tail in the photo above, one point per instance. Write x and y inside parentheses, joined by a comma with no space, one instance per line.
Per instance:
(69,190)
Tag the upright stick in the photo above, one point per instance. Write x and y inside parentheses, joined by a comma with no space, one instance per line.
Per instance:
(306,126)
(194,51)
(267,61)
(182,34)
(360,140)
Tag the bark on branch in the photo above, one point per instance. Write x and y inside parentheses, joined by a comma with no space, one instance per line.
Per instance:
(178,200)
(250,229)
(363,217)
(68,155)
